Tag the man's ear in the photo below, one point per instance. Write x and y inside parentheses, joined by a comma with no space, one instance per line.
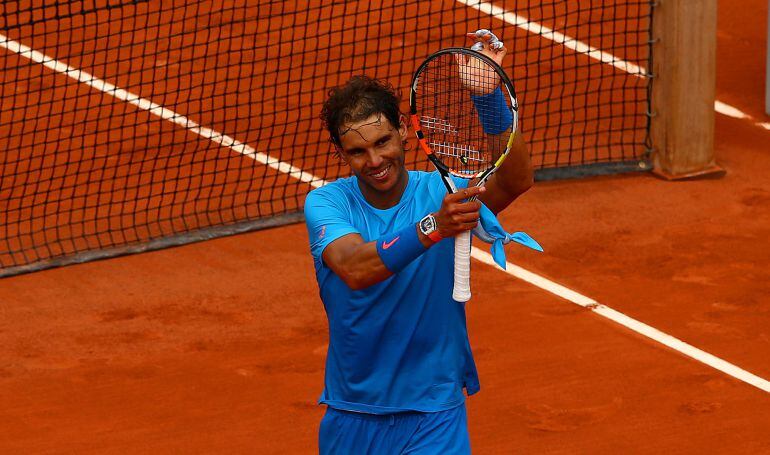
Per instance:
(403,128)
(340,154)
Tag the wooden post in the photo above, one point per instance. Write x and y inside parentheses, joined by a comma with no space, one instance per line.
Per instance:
(683,92)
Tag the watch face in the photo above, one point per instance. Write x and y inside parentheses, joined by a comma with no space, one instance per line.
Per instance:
(428,224)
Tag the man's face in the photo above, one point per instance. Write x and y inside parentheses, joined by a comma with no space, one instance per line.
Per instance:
(374,150)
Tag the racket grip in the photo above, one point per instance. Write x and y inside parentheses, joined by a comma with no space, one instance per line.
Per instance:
(462,285)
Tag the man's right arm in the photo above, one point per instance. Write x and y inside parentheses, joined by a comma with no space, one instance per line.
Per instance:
(356,262)
(361,264)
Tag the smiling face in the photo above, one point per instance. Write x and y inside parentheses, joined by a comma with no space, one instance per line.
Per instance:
(374,149)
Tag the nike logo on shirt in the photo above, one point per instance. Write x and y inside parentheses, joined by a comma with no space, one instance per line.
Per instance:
(386,245)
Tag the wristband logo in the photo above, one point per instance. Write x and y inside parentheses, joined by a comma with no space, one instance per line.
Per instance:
(386,245)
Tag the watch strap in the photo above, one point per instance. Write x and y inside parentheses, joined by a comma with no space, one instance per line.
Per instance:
(435,236)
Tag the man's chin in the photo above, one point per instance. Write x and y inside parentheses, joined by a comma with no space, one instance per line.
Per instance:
(384,185)
(381,186)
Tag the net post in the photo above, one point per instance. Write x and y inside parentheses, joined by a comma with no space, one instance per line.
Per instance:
(683,97)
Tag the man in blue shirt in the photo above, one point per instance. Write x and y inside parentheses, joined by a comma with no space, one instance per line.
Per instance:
(399,356)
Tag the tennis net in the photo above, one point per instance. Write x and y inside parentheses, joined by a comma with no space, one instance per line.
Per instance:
(134,125)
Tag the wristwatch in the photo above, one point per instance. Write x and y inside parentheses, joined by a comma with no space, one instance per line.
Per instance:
(429,228)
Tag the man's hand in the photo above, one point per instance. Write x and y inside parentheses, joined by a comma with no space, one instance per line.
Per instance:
(475,75)
(487,43)
(458,215)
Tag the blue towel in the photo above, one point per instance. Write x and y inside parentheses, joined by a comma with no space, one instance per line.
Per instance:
(489,230)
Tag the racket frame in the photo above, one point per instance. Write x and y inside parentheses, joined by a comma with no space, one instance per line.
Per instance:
(461,291)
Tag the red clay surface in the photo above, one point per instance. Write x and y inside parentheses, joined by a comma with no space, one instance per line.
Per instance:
(218,347)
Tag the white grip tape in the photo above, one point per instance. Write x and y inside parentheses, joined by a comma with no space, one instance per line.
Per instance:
(462,286)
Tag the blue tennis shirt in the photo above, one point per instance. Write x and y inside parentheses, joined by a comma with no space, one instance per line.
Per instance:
(401,344)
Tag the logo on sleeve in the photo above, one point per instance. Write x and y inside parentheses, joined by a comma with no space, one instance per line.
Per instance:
(386,245)
(322,233)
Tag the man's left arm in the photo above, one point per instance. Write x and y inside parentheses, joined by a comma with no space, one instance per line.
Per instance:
(514,177)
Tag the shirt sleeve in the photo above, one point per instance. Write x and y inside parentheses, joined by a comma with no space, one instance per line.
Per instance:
(327,219)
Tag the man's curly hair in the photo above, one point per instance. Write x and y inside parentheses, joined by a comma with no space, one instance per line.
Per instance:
(356,100)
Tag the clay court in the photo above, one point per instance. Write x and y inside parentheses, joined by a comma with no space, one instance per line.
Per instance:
(219,346)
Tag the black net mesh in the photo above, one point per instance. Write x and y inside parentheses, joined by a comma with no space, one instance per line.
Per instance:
(127,124)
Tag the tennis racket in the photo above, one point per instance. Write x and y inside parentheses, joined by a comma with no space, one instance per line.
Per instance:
(463,127)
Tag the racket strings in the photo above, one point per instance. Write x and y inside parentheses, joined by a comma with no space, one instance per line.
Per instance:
(450,112)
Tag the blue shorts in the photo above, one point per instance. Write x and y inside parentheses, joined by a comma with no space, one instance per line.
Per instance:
(416,433)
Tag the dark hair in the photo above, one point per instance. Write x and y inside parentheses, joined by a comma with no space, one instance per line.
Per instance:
(360,98)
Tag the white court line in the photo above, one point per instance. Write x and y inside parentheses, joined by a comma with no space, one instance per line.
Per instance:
(298,173)
(580,47)
(726,109)
(730,111)
(626,321)
(156,109)
(557,37)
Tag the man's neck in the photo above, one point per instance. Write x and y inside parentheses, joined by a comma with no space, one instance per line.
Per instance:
(382,201)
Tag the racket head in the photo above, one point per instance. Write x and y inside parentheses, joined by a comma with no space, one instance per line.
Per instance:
(446,119)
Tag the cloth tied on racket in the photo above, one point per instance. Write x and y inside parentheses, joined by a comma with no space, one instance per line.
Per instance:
(494,41)
(489,230)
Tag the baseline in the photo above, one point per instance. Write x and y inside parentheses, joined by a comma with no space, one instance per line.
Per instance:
(158,110)
(626,321)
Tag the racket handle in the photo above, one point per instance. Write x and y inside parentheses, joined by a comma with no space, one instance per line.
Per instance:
(462,286)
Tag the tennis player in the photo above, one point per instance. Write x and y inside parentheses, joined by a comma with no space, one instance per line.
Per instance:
(399,356)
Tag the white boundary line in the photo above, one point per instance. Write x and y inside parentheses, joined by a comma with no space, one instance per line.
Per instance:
(730,111)
(557,37)
(580,47)
(513,270)
(626,321)
(156,109)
